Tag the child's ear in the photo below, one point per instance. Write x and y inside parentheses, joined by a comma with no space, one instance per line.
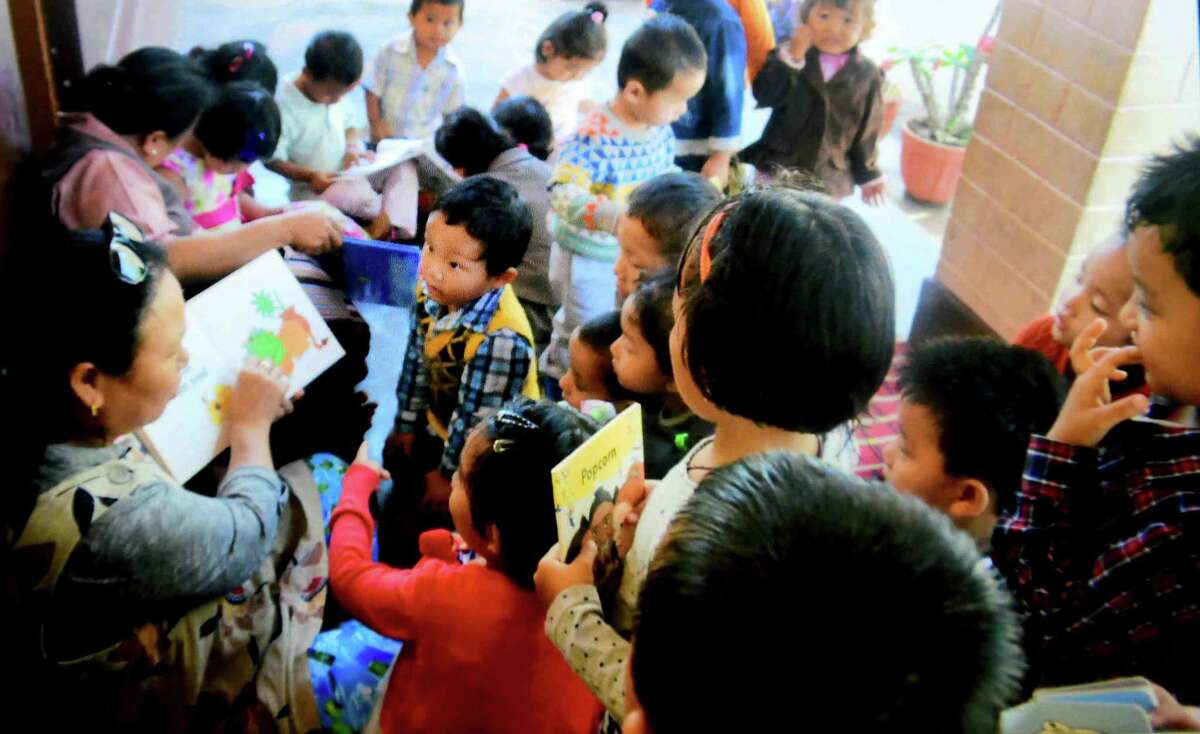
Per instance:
(547,49)
(973,498)
(634,91)
(492,541)
(155,145)
(504,278)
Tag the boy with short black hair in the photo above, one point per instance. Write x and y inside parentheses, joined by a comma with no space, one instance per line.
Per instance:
(471,349)
(967,409)
(843,606)
(1103,548)
(618,146)
(662,215)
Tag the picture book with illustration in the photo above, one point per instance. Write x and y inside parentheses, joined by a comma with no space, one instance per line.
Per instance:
(1116,706)
(587,482)
(258,312)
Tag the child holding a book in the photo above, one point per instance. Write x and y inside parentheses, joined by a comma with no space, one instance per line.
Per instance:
(565,53)
(879,597)
(778,270)
(826,101)
(641,357)
(1101,548)
(475,657)
(659,222)
(471,351)
(619,146)
(967,409)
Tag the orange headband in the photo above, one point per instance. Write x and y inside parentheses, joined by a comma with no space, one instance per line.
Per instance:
(714,224)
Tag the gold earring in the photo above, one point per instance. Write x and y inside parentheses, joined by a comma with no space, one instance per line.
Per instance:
(95,410)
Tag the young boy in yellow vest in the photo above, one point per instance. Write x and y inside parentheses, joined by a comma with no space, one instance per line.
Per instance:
(471,351)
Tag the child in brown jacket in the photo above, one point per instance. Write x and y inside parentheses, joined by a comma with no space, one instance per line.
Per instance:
(826,100)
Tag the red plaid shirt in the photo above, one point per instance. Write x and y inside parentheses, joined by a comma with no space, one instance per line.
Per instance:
(1102,551)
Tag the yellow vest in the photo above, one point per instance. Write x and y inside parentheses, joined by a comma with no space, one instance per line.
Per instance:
(448,353)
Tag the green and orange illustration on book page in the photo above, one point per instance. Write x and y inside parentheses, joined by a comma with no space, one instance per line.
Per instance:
(259,313)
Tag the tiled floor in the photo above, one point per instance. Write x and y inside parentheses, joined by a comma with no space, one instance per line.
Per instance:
(500,34)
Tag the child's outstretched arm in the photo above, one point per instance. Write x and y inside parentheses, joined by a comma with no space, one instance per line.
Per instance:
(575,624)
(575,195)
(385,599)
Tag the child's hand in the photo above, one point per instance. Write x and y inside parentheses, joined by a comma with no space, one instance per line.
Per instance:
(631,500)
(553,576)
(800,42)
(873,193)
(1171,714)
(355,157)
(437,491)
(363,458)
(1088,413)
(320,180)
(258,399)
(1084,351)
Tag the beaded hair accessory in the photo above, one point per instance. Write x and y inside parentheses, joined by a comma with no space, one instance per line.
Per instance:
(246,55)
(597,17)
(511,420)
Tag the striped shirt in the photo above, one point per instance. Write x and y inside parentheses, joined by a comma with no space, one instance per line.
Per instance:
(413,100)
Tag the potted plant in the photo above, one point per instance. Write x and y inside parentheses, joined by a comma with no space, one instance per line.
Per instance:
(933,146)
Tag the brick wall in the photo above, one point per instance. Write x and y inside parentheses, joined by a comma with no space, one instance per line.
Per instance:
(1079,92)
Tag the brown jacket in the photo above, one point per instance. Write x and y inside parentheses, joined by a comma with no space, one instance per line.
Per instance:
(830,130)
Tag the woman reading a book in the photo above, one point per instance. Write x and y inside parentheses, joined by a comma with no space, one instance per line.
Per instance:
(140,605)
(137,111)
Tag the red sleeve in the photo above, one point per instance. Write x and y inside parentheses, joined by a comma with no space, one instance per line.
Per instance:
(386,599)
(1038,336)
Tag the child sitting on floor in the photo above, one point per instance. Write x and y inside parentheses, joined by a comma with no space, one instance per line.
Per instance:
(659,222)
(592,376)
(967,409)
(618,146)
(893,625)
(566,52)
(209,166)
(527,121)
(471,350)
(826,101)
(641,358)
(475,657)
(1103,286)
(1101,550)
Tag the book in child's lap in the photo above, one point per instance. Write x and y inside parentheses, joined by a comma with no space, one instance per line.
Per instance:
(260,313)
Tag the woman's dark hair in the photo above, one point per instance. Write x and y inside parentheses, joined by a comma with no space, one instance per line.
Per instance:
(239,61)
(528,122)
(598,333)
(470,140)
(791,273)
(243,124)
(98,323)
(778,530)
(659,49)
(655,316)
(334,56)
(509,484)
(148,90)
(576,34)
